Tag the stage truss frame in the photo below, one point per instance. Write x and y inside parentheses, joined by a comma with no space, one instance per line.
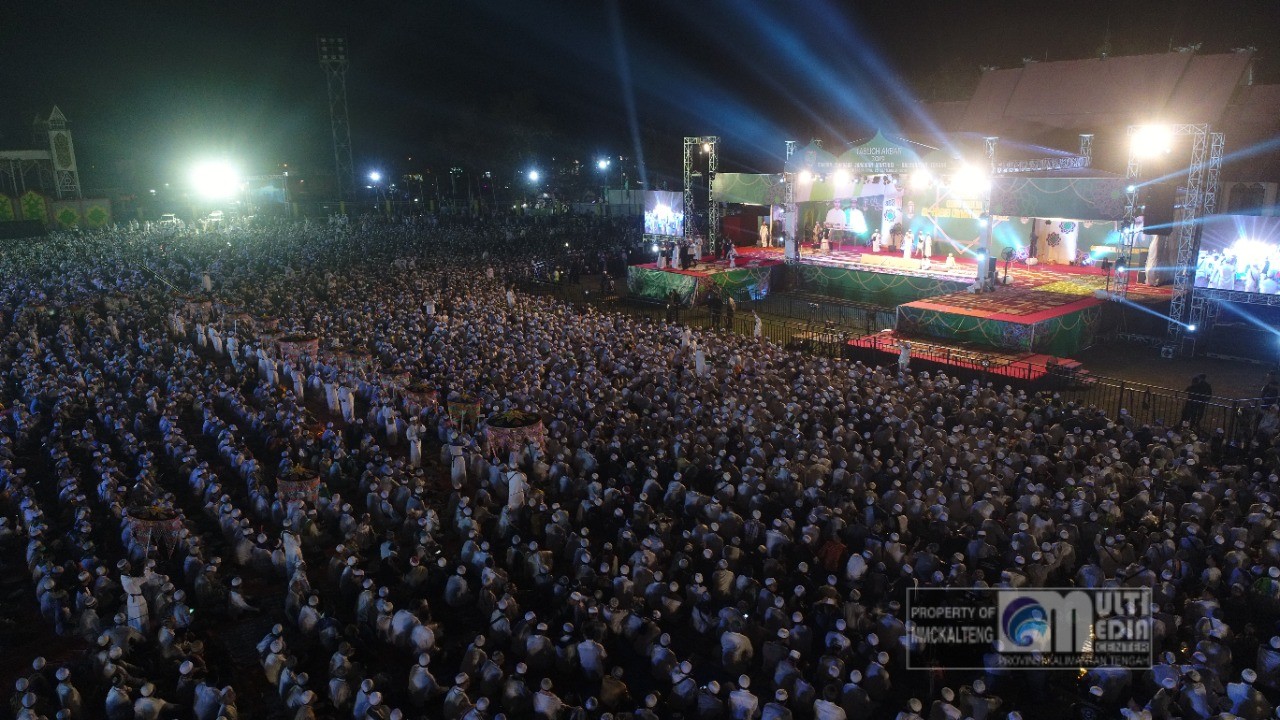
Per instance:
(709,145)
(789,194)
(1199,199)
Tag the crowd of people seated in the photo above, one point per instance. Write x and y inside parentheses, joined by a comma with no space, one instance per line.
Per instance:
(712,526)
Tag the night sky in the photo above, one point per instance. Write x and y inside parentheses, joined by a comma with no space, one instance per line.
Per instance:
(150,87)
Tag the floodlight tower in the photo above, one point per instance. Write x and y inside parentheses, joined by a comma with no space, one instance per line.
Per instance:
(333,58)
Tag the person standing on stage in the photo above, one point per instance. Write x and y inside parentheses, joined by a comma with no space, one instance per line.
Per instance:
(904,356)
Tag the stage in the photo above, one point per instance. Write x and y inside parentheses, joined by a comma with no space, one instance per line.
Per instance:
(1046,309)
(751,279)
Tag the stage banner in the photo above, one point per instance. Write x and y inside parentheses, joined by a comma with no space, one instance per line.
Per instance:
(885,289)
(745,283)
(748,189)
(985,332)
(1074,198)
(34,206)
(880,155)
(663,213)
(658,285)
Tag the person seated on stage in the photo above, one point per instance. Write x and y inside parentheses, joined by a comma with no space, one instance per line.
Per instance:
(951,261)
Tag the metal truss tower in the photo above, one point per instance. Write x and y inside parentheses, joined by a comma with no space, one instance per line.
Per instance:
(710,145)
(1203,310)
(991,142)
(333,58)
(791,222)
(1186,307)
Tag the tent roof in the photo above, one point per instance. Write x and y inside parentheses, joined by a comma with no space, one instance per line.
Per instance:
(1083,94)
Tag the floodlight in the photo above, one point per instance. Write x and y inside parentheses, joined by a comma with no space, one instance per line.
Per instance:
(1131,188)
(375,176)
(1151,140)
(1191,328)
(805,176)
(842,176)
(920,179)
(602,164)
(970,180)
(706,147)
(533,176)
(215,179)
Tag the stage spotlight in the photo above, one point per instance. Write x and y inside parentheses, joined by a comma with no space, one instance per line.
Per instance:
(1191,328)
(920,179)
(1151,140)
(655,247)
(602,164)
(533,176)
(1131,188)
(970,181)
(805,176)
(375,176)
(706,147)
(215,180)
(842,176)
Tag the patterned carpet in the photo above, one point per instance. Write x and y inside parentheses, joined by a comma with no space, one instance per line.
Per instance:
(1009,301)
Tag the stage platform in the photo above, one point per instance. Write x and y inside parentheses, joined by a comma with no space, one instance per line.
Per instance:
(1046,309)
(1068,279)
(750,279)
(885,347)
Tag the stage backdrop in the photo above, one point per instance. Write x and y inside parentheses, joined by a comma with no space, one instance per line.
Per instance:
(1077,198)
(878,156)
(748,189)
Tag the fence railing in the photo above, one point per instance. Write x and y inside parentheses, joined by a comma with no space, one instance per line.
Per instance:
(1147,404)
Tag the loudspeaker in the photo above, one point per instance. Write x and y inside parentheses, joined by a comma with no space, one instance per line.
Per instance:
(1161,201)
(991,266)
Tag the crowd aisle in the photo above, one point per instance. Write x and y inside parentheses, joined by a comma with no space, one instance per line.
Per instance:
(715,527)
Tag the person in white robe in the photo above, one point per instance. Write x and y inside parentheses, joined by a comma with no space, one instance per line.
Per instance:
(413,435)
(758,330)
(138,612)
(517,488)
(950,264)
(699,360)
(908,245)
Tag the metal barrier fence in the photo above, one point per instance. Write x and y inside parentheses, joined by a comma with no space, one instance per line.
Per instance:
(1236,418)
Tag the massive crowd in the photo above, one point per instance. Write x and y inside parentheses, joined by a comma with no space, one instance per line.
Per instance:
(715,528)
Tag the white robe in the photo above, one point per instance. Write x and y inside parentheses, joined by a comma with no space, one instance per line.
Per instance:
(138,612)
(517,487)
